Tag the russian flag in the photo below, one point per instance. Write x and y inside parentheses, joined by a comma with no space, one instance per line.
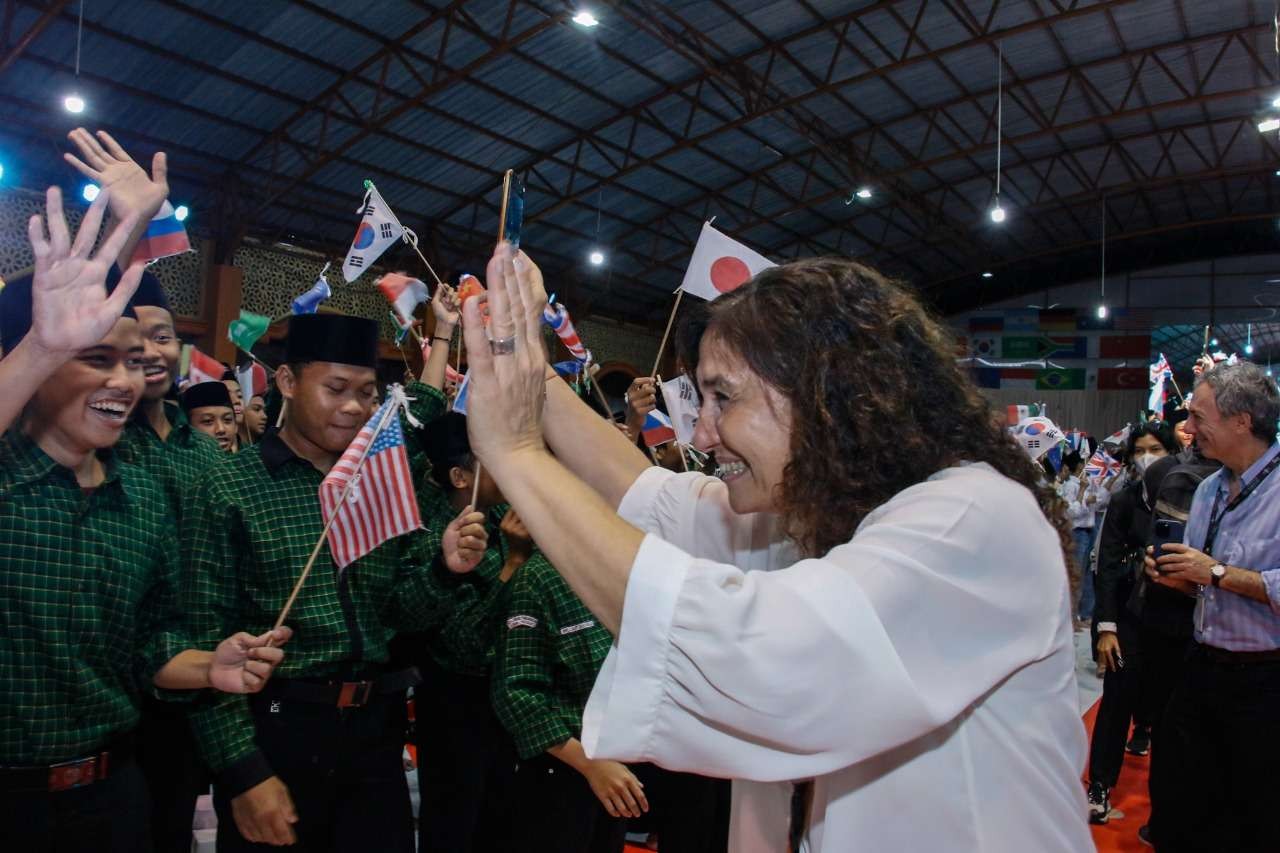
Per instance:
(165,236)
(657,429)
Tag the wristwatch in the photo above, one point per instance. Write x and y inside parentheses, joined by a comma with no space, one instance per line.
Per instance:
(1218,572)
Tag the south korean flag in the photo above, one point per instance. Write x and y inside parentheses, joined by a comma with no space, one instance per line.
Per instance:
(379,228)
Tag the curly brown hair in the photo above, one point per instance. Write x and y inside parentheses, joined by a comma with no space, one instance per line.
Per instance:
(870,374)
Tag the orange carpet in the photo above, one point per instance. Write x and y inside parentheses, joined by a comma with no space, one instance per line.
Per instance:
(1120,835)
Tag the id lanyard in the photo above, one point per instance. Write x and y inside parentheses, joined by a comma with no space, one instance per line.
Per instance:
(1215,517)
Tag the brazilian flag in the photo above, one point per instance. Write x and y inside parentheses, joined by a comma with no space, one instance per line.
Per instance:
(1061,379)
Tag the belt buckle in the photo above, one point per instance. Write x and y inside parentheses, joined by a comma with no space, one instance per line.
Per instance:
(354,694)
(75,774)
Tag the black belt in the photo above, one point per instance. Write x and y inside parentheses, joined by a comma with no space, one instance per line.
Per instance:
(66,775)
(1227,656)
(342,694)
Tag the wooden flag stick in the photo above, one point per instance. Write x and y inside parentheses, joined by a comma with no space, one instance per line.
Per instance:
(670,320)
(284,407)
(591,378)
(475,486)
(342,499)
(683,459)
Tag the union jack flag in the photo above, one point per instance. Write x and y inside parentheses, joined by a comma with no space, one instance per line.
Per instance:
(380,502)
(1102,466)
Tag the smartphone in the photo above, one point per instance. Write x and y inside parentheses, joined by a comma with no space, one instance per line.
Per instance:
(1163,532)
(511,212)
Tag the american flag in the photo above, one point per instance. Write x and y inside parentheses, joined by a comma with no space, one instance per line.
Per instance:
(1102,466)
(381,502)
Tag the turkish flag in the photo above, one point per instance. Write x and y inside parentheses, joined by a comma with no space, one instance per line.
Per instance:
(1122,378)
(720,264)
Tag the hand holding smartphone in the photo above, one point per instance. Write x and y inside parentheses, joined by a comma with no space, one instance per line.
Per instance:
(1163,532)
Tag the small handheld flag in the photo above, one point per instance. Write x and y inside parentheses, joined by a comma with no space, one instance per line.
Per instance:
(246,331)
(164,236)
(468,286)
(1015,414)
(557,317)
(204,368)
(405,295)
(1160,372)
(657,429)
(682,404)
(307,303)
(1102,466)
(378,229)
(460,399)
(374,478)
(720,264)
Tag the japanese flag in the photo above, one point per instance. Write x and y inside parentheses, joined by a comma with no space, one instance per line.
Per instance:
(720,264)
(379,228)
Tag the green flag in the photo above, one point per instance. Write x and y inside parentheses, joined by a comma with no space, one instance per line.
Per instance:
(245,332)
(1061,379)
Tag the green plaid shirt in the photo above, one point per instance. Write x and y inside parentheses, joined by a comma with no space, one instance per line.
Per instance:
(90,612)
(174,464)
(465,643)
(547,659)
(249,528)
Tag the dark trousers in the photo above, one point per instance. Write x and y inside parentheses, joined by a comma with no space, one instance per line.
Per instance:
(1164,657)
(106,817)
(683,810)
(557,812)
(173,771)
(1220,758)
(466,767)
(1121,703)
(343,769)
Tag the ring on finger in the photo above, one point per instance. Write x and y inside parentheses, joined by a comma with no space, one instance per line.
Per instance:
(503,346)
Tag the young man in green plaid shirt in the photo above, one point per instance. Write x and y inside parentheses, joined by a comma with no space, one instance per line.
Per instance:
(465,757)
(86,556)
(316,759)
(550,651)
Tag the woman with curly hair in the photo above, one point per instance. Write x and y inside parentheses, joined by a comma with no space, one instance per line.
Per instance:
(906,659)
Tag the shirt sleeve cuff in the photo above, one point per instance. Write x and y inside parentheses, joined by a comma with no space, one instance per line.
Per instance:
(243,773)
(1271,583)
(621,714)
(637,504)
(1107,626)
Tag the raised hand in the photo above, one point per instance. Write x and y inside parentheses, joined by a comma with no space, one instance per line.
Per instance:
(508,359)
(464,541)
(242,663)
(104,162)
(444,304)
(70,307)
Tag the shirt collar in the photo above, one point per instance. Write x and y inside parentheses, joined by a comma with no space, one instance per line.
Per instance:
(275,452)
(1256,468)
(27,463)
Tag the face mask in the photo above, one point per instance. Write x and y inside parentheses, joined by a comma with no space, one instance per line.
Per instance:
(1143,462)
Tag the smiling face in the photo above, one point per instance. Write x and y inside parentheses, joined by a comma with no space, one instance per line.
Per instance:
(329,402)
(218,422)
(161,350)
(1216,435)
(85,404)
(1184,438)
(746,424)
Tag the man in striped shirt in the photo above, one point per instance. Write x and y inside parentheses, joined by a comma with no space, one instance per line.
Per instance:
(1217,769)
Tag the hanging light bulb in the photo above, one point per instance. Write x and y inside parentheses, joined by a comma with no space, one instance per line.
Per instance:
(596,257)
(997,213)
(1248,343)
(73,103)
(1102,312)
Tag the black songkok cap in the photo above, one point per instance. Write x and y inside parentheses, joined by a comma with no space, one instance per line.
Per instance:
(149,293)
(15,310)
(332,337)
(205,394)
(446,440)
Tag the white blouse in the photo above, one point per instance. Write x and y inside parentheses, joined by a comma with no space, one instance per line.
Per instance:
(923,673)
